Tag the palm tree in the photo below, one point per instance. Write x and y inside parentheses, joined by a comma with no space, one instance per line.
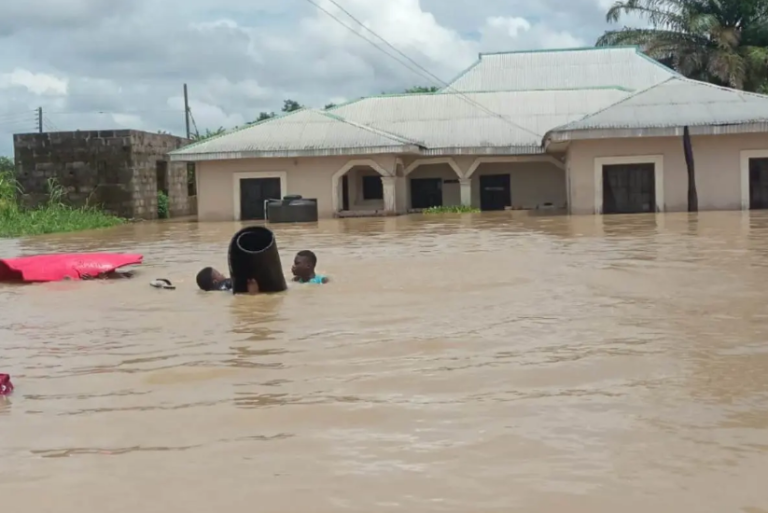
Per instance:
(724,42)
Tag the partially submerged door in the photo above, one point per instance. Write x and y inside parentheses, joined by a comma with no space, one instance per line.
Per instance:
(629,189)
(495,192)
(253,193)
(426,192)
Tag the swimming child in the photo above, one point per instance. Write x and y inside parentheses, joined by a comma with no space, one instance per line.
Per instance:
(209,279)
(304,268)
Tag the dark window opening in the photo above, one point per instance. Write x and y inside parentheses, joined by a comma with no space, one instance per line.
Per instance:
(191,179)
(161,168)
(758,184)
(373,189)
(629,189)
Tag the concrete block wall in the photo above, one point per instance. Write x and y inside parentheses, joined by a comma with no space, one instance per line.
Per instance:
(115,169)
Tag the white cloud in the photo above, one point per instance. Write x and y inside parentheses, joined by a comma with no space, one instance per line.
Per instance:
(96,63)
(36,83)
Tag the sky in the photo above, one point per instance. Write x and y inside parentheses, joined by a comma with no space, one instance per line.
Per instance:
(103,64)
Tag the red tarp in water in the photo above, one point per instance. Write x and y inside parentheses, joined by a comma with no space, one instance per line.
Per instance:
(72,266)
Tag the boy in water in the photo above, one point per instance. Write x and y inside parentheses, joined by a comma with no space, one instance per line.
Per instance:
(304,268)
(209,279)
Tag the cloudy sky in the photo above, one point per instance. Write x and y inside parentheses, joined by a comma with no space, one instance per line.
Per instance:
(95,64)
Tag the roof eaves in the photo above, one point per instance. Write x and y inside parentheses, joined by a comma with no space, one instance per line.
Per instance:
(484,150)
(748,127)
(318,152)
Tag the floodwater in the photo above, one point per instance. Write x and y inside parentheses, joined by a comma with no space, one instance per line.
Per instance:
(487,363)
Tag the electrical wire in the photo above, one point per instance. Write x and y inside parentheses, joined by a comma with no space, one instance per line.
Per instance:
(421,70)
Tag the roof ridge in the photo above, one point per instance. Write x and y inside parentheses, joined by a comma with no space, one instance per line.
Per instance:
(740,92)
(558,50)
(389,135)
(610,106)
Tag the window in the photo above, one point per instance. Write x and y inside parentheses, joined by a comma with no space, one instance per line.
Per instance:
(191,179)
(161,169)
(373,189)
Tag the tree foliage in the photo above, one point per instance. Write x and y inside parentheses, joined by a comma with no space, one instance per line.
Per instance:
(422,89)
(7,166)
(724,42)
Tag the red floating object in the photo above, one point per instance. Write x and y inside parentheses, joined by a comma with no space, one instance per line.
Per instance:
(72,266)
(6,387)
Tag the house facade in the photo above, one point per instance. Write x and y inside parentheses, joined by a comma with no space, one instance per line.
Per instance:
(583,131)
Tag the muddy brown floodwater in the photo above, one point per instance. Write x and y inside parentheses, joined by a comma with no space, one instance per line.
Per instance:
(470,364)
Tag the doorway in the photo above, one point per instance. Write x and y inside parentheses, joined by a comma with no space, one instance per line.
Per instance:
(161,174)
(426,192)
(253,193)
(629,188)
(758,184)
(495,192)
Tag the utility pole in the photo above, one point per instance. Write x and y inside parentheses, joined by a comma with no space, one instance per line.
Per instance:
(186,111)
(40,120)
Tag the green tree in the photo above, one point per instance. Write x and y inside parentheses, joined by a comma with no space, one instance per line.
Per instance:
(422,89)
(7,166)
(291,105)
(724,42)
(208,134)
(329,106)
(263,116)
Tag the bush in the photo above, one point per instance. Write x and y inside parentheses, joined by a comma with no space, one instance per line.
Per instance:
(457,209)
(162,205)
(53,217)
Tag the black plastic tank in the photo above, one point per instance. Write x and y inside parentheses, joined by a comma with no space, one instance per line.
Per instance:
(253,255)
(292,209)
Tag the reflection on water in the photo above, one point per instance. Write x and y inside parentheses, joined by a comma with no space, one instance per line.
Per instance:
(480,363)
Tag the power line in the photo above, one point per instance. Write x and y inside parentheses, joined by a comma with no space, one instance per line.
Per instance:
(422,71)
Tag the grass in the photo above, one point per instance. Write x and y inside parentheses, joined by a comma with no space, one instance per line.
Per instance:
(52,217)
(458,209)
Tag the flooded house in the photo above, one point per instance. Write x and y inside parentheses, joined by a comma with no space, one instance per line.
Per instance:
(583,131)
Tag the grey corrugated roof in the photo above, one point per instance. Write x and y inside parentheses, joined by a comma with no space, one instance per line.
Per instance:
(676,102)
(515,121)
(561,69)
(302,133)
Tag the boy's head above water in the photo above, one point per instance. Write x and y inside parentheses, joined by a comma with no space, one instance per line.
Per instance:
(304,265)
(210,279)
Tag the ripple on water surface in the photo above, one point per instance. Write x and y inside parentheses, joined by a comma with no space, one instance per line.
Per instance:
(460,363)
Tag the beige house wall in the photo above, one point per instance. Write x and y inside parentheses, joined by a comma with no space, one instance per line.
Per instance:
(721,175)
(721,162)
(532,184)
(218,182)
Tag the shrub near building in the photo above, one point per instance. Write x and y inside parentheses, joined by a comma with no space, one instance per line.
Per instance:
(52,217)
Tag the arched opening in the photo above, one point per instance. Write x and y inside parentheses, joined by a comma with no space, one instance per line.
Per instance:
(359,189)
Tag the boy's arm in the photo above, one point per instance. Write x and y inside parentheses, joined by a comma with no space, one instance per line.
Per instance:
(253,287)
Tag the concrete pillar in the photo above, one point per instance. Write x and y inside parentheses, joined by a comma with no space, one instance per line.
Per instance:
(390,194)
(466,192)
(401,195)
